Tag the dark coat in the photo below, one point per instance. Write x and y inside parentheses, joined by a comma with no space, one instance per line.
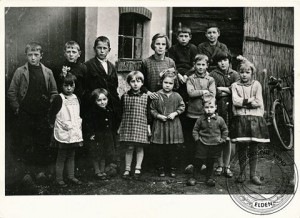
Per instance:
(97,78)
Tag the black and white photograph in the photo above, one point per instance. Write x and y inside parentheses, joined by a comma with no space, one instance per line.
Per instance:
(125,104)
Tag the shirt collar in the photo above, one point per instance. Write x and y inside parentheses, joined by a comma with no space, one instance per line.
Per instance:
(102,61)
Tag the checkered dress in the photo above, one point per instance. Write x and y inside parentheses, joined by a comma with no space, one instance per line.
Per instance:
(151,68)
(133,127)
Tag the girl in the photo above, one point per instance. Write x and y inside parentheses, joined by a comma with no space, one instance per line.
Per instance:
(64,113)
(167,130)
(224,77)
(152,66)
(248,126)
(135,125)
(199,84)
(101,128)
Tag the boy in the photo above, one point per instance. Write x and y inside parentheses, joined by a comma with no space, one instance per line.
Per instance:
(29,95)
(73,65)
(212,46)
(224,76)
(184,52)
(210,133)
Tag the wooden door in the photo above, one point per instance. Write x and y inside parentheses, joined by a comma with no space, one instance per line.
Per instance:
(52,27)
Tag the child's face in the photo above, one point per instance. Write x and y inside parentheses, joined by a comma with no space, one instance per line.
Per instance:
(34,57)
(246,75)
(68,89)
(136,84)
(212,34)
(168,84)
(72,54)
(210,107)
(160,46)
(102,50)
(201,66)
(184,38)
(102,101)
(223,64)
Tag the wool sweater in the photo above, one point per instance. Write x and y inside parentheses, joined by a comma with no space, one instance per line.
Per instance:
(241,93)
(210,130)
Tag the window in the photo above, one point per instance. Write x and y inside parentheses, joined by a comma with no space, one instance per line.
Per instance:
(131,31)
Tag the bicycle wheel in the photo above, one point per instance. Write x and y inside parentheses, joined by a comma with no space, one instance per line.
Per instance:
(282,125)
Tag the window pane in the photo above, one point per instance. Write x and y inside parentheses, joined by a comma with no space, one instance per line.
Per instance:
(127,48)
(139,29)
(138,45)
(126,25)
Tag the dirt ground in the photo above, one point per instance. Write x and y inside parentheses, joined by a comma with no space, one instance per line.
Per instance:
(148,183)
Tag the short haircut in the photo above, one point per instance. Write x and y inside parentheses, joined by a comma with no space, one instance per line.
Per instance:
(222,56)
(71,44)
(137,74)
(69,79)
(245,65)
(160,35)
(172,75)
(208,98)
(96,93)
(212,25)
(184,30)
(200,57)
(102,39)
(33,46)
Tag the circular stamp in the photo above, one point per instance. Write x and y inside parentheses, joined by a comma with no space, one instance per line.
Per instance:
(277,172)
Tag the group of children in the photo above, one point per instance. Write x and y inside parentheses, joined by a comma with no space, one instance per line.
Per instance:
(193,87)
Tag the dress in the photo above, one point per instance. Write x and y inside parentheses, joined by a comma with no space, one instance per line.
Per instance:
(169,132)
(224,103)
(100,122)
(67,125)
(248,123)
(151,68)
(134,124)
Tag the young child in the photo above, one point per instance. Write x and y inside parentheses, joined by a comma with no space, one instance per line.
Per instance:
(101,125)
(72,65)
(212,46)
(156,63)
(65,114)
(101,73)
(198,85)
(224,77)
(166,129)
(248,125)
(135,125)
(210,133)
(31,90)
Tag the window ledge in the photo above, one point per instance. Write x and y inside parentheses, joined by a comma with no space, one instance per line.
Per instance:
(128,65)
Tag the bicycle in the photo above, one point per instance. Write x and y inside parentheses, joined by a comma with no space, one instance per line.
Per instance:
(282,121)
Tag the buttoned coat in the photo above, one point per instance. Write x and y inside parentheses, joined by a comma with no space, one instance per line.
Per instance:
(19,85)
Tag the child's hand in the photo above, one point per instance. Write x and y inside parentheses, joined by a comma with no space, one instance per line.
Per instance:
(162,117)
(180,78)
(205,92)
(92,138)
(171,116)
(149,131)
(250,100)
(152,95)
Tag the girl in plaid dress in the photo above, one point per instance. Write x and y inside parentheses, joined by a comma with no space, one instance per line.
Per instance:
(166,129)
(135,125)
